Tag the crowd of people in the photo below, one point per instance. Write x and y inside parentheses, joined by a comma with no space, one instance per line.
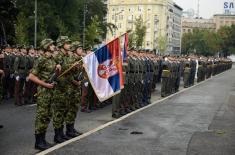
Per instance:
(41,76)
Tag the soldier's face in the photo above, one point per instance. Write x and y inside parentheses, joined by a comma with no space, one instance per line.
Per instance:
(52,47)
(31,52)
(9,50)
(67,46)
(23,51)
(79,51)
(15,50)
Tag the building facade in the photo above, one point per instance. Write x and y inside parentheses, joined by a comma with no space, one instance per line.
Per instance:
(189,24)
(224,20)
(158,17)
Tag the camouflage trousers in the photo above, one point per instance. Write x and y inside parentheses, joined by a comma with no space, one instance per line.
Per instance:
(43,112)
(59,106)
(72,107)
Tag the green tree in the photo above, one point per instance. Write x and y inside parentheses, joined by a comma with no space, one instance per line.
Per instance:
(8,13)
(93,32)
(21,30)
(162,43)
(131,40)
(140,32)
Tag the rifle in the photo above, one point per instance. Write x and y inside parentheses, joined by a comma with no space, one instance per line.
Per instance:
(54,77)
(52,80)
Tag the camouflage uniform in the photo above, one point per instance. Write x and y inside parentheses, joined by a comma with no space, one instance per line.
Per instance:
(43,69)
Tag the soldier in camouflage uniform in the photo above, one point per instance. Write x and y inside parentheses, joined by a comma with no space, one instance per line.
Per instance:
(74,89)
(61,95)
(41,74)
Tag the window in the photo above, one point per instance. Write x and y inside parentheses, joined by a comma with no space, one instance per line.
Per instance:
(148,25)
(121,17)
(119,25)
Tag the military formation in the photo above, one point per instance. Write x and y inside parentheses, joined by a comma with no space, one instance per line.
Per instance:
(53,77)
(144,70)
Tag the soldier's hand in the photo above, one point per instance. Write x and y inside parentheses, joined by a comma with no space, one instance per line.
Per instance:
(17,78)
(49,86)
(3,74)
(58,67)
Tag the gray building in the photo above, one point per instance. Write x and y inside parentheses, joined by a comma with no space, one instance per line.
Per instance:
(177,29)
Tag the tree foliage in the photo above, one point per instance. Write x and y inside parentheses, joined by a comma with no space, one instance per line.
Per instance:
(207,42)
(55,17)
(162,44)
(8,13)
(140,32)
(136,38)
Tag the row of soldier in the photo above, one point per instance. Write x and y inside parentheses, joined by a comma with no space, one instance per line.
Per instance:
(144,70)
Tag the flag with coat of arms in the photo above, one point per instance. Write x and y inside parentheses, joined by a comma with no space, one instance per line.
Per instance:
(104,69)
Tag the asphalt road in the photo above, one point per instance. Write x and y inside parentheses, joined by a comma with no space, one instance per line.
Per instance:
(166,128)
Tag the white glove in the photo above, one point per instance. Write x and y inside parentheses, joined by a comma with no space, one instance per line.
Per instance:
(11,76)
(17,78)
(27,79)
(86,84)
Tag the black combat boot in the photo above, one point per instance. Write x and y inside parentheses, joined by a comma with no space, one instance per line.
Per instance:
(71,131)
(41,143)
(63,135)
(58,138)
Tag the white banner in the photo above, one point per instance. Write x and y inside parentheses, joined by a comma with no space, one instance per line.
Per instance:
(229,6)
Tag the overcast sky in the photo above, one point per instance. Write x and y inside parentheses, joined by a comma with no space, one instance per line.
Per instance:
(207,7)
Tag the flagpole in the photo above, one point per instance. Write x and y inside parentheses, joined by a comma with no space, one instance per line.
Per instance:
(76,63)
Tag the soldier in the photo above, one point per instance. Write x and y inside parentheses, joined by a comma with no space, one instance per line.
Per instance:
(21,72)
(166,74)
(41,74)
(7,67)
(187,73)
(85,89)
(61,96)
(1,75)
(30,87)
(123,95)
(74,89)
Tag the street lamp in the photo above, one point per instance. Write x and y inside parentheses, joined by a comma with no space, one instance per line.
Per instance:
(35,23)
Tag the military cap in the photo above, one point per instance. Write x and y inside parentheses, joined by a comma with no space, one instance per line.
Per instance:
(46,42)
(7,46)
(23,47)
(88,48)
(14,46)
(30,47)
(75,45)
(62,40)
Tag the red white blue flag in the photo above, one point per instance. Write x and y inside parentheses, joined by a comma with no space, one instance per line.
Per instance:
(104,69)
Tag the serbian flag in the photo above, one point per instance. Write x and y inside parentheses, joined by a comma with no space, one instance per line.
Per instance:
(104,69)
(124,46)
